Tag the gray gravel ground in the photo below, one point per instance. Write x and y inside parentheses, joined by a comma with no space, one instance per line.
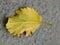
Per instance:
(45,35)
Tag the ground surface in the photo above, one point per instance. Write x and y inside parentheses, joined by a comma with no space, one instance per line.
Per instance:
(45,35)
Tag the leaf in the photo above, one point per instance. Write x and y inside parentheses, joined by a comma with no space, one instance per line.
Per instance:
(24,22)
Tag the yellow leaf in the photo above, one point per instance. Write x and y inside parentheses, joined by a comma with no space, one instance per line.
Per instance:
(24,22)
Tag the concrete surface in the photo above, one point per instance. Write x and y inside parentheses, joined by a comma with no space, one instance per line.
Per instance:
(45,35)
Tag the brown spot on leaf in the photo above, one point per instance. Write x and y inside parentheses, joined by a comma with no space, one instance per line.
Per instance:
(16,15)
(24,33)
(30,32)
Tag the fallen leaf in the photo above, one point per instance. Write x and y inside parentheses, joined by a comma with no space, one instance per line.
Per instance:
(24,22)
